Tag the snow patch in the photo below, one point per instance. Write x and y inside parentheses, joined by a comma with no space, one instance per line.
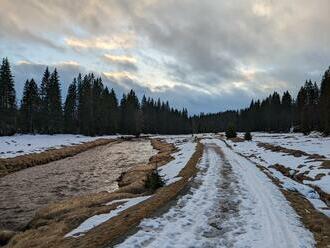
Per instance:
(171,170)
(12,146)
(101,218)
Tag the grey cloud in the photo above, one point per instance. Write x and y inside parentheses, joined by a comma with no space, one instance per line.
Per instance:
(207,42)
(24,71)
(125,65)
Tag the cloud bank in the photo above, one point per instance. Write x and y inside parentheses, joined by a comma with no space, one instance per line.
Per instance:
(205,55)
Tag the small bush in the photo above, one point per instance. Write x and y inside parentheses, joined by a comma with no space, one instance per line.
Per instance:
(231,132)
(154,181)
(248,136)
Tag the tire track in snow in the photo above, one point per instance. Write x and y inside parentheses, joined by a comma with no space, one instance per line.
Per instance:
(231,204)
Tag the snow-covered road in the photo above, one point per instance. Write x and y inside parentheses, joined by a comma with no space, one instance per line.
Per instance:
(231,203)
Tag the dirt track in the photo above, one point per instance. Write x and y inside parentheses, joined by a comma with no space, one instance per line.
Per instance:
(23,192)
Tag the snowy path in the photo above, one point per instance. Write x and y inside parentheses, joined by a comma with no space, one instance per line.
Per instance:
(231,204)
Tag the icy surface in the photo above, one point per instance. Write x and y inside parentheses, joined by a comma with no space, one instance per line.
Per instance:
(12,146)
(101,218)
(231,204)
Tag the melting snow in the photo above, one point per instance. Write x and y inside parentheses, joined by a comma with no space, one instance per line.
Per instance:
(12,146)
(237,207)
(101,218)
(171,170)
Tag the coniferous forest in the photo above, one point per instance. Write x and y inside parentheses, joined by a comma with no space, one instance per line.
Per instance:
(90,108)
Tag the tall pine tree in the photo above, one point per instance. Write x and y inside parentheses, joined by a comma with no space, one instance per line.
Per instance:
(30,107)
(71,109)
(325,102)
(55,104)
(7,100)
(45,104)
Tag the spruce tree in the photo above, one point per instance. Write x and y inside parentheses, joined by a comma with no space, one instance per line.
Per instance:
(55,104)
(110,111)
(301,110)
(85,106)
(70,109)
(97,108)
(7,100)
(30,107)
(325,102)
(131,116)
(44,105)
(286,112)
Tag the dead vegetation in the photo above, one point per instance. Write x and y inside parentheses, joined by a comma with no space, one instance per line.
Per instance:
(10,165)
(293,152)
(325,164)
(134,180)
(51,223)
(315,221)
(301,177)
(237,139)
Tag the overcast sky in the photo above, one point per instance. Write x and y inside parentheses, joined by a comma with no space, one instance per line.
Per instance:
(205,55)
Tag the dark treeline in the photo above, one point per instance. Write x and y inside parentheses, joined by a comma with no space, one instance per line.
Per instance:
(309,111)
(89,108)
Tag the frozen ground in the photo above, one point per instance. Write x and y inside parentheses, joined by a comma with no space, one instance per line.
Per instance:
(231,204)
(12,146)
(95,170)
(311,168)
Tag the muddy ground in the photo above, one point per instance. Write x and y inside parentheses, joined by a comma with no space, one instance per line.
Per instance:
(95,170)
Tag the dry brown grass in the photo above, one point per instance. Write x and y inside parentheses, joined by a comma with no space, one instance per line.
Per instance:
(293,152)
(10,165)
(237,139)
(326,164)
(50,224)
(133,181)
(300,177)
(314,220)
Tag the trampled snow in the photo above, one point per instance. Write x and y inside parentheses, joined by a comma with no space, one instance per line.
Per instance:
(231,204)
(12,146)
(302,164)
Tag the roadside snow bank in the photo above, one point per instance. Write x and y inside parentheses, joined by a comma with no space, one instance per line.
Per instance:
(12,146)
